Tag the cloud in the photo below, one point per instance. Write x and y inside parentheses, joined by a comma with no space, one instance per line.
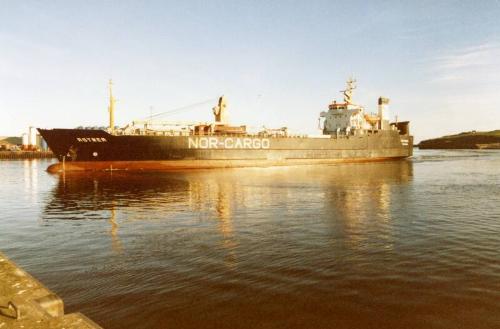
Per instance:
(461,91)
(471,65)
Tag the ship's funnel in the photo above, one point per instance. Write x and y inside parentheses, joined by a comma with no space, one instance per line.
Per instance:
(383,112)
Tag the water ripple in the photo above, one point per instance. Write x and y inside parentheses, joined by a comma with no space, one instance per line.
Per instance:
(398,244)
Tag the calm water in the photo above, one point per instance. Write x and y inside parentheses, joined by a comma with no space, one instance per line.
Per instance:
(410,244)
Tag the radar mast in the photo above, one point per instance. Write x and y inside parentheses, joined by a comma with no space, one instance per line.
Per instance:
(351,85)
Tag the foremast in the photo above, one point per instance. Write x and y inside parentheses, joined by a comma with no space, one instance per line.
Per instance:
(111,108)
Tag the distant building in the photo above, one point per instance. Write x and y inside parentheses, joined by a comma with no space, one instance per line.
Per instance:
(33,141)
(10,143)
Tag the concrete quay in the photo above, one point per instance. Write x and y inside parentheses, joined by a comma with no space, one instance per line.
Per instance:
(26,303)
(20,155)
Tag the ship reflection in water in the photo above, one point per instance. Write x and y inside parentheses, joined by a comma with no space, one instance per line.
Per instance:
(226,248)
(359,194)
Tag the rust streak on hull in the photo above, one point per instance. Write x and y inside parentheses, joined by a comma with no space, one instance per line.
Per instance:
(196,164)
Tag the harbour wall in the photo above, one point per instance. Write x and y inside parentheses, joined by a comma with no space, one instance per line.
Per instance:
(19,155)
(26,303)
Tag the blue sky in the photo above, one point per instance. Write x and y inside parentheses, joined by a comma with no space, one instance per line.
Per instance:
(279,62)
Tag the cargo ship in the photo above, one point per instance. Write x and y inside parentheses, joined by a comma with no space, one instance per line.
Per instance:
(349,134)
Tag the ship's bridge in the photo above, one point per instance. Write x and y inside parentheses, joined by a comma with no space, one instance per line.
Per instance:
(350,118)
(343,118)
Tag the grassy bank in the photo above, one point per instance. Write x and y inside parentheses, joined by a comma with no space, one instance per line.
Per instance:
(465,140)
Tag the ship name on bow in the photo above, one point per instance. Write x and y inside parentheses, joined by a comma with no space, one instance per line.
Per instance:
(228,143)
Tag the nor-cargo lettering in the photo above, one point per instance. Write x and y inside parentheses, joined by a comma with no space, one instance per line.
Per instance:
(228,143)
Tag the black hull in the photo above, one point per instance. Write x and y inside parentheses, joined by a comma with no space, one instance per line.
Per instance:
(97,148)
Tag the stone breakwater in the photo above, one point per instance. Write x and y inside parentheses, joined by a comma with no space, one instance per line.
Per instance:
(26,303)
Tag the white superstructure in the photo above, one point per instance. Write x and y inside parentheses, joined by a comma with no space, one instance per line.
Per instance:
(349,118)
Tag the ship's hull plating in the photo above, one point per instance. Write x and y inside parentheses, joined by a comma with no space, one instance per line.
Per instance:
(80,149)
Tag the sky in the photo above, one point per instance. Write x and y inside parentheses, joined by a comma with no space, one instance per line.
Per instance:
(279,63)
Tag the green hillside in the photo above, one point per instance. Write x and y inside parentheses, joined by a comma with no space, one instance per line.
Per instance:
(11,140)
(465,140)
